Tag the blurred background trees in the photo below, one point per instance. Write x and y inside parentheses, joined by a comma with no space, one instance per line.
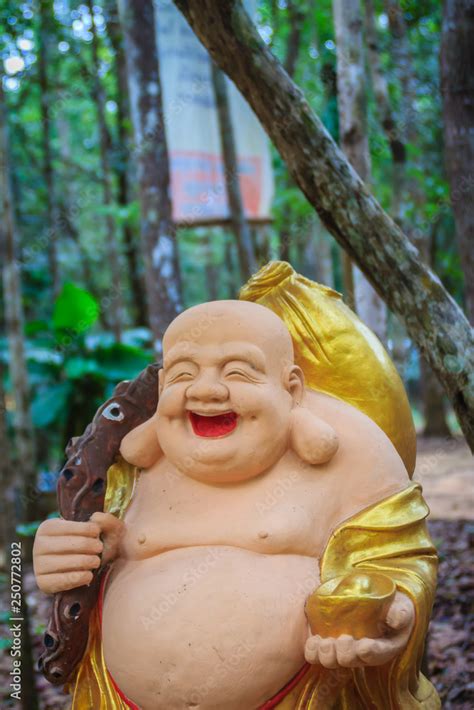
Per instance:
(90,198)
(93,265)
(81,179)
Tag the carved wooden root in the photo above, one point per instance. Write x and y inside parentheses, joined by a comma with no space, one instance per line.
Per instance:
(81,492)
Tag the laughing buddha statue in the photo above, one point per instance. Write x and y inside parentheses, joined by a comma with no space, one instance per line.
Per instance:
(272,551)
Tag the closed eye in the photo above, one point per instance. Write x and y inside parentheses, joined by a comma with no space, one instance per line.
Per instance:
(180,377)
(236,372)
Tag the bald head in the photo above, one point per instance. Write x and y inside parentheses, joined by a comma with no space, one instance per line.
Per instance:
(227,389)
(218,323)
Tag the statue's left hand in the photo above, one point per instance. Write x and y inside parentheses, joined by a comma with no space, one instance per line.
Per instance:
(347,652)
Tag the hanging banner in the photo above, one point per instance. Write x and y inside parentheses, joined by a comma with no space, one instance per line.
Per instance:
(192,130)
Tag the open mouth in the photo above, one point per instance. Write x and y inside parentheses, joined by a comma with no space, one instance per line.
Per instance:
(213,426)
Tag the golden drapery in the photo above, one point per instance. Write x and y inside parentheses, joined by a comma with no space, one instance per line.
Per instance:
(341,357)
(389,537)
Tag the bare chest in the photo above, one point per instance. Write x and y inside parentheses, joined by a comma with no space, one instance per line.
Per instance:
(279,514)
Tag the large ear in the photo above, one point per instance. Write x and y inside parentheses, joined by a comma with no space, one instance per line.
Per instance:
(140,446)
(312,439)
(293,381)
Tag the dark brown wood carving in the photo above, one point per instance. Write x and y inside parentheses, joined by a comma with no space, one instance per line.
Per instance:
(81,491)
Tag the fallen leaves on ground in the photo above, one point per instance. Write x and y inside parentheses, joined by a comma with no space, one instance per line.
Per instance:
(451,638)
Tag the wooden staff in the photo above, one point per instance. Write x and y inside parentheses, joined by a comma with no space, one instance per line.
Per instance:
(81,492)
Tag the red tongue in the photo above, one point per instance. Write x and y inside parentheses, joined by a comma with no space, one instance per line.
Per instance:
(213,426)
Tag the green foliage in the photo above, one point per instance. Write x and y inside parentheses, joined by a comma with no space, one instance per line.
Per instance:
(50,403)
(72,368)
(121,362)
(75,309)
(74,360)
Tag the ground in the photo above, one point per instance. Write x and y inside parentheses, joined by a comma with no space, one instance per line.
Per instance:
(444,467)
(451,638)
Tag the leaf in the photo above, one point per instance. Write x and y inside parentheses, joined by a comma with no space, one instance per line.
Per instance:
(77,367)
(99,340)
(121,362)
(50,403)
(75,309)
(43,355)
(36,326)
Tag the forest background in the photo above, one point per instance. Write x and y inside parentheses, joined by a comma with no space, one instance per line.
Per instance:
(78,306)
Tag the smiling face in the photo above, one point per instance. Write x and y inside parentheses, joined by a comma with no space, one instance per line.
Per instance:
(227,389)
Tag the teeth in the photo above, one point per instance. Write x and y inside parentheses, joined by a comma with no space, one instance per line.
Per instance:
(212,414)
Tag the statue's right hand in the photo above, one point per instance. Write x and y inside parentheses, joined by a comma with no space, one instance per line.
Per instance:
(66,552)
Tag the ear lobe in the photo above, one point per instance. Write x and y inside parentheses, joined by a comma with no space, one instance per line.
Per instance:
(140,446)
(312,439)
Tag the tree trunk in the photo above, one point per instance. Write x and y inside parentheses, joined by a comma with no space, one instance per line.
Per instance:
(348,279)
(352,103)
(318,254)
(46,100)
(434,408)
(117,277)
(132,252)
(7,522)
(158,233)
(29,698)
(285,240)
(261,242)
(230,270)
(386,114)
(408,118)
(231,175)
(210,269)
(275,19)
(457,87)
(352,215)
(296,17)
(24,438)
(403,64)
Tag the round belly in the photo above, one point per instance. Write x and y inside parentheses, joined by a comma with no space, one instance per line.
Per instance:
(206,628)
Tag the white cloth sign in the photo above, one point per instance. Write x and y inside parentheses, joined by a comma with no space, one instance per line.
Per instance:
(192,130)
